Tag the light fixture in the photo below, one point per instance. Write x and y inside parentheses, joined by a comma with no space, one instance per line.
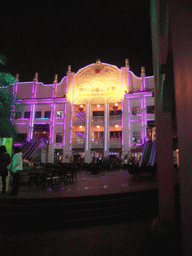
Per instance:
(81,108)
(115,106)
(80,126)
(98,106)
(98,126)
(116,125)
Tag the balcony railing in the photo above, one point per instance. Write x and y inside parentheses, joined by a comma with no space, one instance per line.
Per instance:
(97,143)
(115,143)
(78,142)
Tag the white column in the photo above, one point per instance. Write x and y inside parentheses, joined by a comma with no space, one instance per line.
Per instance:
(126,130)
(87,135)
(106,131)
(67,154)
(32,111)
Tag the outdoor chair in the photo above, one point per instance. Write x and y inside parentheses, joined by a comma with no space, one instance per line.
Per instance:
(32,174)
(70,174)
(24,176)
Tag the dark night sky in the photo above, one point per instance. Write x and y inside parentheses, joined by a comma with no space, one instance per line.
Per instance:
(49,36)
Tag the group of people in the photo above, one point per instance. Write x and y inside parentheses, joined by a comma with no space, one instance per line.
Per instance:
(14,166)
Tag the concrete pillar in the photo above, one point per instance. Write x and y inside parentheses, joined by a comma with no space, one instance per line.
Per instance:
(181,33)
(125,139)
(67,154)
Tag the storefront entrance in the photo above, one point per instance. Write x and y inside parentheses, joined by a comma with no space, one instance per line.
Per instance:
(41,131)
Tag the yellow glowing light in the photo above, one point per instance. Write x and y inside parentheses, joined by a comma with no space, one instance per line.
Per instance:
(98,106)
(80,126)
(116,104)
(81,106)
(116,125)
(98,126)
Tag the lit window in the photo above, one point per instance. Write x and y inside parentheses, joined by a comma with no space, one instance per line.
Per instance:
(60,114)
(137,136)
(135,111)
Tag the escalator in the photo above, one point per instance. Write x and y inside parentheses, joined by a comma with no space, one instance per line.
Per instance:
(146,152)
(153,154)
(80,115)
(30,148)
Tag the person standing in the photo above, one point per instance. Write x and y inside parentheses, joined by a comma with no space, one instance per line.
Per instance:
(5,160)
(15,167)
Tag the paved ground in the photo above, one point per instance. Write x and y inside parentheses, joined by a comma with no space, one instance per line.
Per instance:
(130,238)
(108,182)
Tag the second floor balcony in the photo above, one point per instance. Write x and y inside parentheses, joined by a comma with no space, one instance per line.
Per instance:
(97,143)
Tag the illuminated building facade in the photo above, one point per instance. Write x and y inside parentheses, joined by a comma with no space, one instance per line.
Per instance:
(98,112)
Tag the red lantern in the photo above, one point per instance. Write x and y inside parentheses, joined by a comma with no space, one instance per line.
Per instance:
(115,107)
(81,108)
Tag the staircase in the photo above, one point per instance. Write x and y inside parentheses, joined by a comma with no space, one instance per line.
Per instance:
(73,212)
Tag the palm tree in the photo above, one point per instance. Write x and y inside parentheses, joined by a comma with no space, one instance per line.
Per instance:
(7,102)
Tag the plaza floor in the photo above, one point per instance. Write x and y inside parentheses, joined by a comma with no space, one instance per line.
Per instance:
(130,238)
(107,182)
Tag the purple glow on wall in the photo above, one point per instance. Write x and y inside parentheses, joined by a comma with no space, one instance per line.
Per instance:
(139,144)
(142,120)
(141,83)
(42,101)
(23,118)
(129,106)
(81,134)
(142,102)
(17,144)
(80,116)
(32,121)
(132,121)
(20,123)
(71,124)
(53,121)
(67,80)
(145,103)
(40,123)
(64,124)
(122,141)
(87,128)
(147,95)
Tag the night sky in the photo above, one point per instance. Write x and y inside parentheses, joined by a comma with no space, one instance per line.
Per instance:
(49,36)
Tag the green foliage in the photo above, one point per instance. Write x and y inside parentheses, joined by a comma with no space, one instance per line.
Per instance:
(7,102)
(2,59)
(6,79)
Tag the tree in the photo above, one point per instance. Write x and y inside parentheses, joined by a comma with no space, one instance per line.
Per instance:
(7,101)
